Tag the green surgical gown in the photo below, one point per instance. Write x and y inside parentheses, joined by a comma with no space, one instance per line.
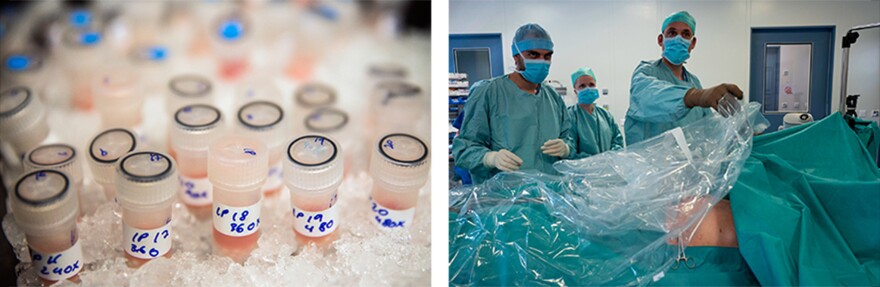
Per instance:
(498,115)
(656,101)
(594,133)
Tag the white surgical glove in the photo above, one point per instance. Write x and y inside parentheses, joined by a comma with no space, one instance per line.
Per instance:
(503,160)
(555,147)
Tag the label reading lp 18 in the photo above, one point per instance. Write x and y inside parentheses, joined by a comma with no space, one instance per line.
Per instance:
(237,221)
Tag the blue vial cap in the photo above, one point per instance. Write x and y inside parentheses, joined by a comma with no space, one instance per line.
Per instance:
(90,38)
(157,53)
(327,12)
(80,18)
(231,30)
(18,62)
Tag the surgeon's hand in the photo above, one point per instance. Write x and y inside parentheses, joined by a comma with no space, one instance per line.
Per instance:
(555,147)
(709,98)
(503,160)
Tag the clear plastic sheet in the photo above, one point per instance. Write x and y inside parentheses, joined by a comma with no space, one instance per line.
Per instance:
(615,218)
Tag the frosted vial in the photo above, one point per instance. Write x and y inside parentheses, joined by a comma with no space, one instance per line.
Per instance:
(256,89)
(60,157)
(237,168)
(264,120)
(45,208)
(105,149)
(119,98)
(81,53)
(186,90)
(308,98)
(194,128)
(152,62)
(399,166)
(335,123)
(313,170)
(147,183)
(24,67)
(402,109)
(22,122)
(232,45)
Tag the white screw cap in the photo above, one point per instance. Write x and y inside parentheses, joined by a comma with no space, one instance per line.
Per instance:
(195,127)
(400,162)
(105,149)
(238,163)
(313,163)
(60,157)
(146,178)
(44,200)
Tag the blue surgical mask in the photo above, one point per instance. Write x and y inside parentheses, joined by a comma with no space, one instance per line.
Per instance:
(536,70)
(675,49)
(588,96)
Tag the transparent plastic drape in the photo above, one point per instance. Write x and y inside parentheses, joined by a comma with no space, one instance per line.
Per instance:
(610,219)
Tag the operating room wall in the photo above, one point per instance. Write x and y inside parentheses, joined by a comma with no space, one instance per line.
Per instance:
(613,36)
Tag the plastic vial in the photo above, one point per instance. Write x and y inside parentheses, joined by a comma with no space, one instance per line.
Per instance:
(256,89)
(195,128)
(80,51)
(22,122)
(399,166)
(60,157)
(25,68)
(152,61)
(186,90)
(45,208)
(379,73)
(147,183)
(105,149)
(119,99)
(313,170)
(265,121)
(232,44)
(334,123)
(308,98)
(402,108)
(237,168)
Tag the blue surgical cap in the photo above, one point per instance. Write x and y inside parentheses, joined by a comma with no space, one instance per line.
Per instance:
(582,72)
(680,16)
(530,37)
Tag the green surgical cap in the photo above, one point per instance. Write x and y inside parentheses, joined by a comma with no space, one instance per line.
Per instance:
(582,72)
(680,16)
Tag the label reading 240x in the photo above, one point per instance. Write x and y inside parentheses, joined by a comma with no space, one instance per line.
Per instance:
(58,266)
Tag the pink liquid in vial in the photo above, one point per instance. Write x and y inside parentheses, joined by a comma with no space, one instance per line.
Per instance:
(236,248)
(53,243)
(231,70)
(194,168)
(314,203)
(395,200)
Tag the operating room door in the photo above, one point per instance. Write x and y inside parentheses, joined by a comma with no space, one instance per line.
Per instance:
(477,55)
(791,71)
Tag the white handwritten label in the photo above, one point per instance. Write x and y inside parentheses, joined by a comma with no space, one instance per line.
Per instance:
(58,266)
(316,224)
(195,191)
(147,244)
(388,218)
(275,179)
(237,221)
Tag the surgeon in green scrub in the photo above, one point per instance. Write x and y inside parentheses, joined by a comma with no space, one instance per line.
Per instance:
(514,122)
(663,93)
(593,128)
